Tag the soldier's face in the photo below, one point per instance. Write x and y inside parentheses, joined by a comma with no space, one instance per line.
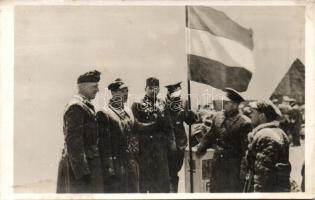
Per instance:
(89,90)
(121,95)
(93,90)
(152,91)
(229,106)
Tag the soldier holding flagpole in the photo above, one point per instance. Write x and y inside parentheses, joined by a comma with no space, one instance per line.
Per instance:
(178,115)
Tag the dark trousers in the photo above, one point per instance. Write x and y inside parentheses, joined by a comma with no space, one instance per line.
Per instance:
(175,162)
(295,132)
(225,176)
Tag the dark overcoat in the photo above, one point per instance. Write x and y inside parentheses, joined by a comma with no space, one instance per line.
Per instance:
(119,150)
(80,166)
(176,158)
(155,138)
(228,135)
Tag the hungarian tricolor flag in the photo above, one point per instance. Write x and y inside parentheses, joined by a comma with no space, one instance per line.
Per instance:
(219,50)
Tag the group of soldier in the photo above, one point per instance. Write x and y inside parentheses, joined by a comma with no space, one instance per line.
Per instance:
(122,150)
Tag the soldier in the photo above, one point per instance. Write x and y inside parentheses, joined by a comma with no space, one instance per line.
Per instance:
(228,135)
(295,123)
(156,138)
(177,116)
(284,107)
(118,143)
(80,166)
(268,150)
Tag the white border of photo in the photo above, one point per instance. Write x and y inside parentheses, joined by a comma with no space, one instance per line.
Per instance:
(7,101)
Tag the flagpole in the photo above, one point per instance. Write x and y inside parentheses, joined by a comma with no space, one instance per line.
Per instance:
(191,172)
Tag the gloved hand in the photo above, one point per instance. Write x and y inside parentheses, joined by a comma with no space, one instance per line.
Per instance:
(190,117)
(204,129)
(200,151)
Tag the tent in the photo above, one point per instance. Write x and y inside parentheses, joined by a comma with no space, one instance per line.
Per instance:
(292,84)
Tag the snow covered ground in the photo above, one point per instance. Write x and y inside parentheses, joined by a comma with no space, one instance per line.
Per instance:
(49,186)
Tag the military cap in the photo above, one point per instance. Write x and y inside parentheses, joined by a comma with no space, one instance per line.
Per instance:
(152,81)
(173,87)
(233,95)
(117,85)
(92,76)
(266,107)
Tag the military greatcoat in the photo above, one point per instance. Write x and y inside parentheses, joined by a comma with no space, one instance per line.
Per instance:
(80,166)
(175,158)
(155,138)
(119,150)
(228,135)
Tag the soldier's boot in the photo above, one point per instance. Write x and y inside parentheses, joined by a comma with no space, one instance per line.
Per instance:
(174,184)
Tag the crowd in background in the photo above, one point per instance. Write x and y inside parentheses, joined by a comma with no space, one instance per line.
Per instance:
(292,120)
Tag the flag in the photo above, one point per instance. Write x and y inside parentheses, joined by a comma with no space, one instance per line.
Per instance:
(220,51)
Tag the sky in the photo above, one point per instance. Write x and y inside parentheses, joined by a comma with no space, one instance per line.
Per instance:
(56,44)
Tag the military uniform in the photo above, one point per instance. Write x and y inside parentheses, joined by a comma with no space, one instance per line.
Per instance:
(284,119)
(155,138)
(119,150)
(177,115)
(295,122)
(229,137)
(176,158)
(268,158)
(80,166)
